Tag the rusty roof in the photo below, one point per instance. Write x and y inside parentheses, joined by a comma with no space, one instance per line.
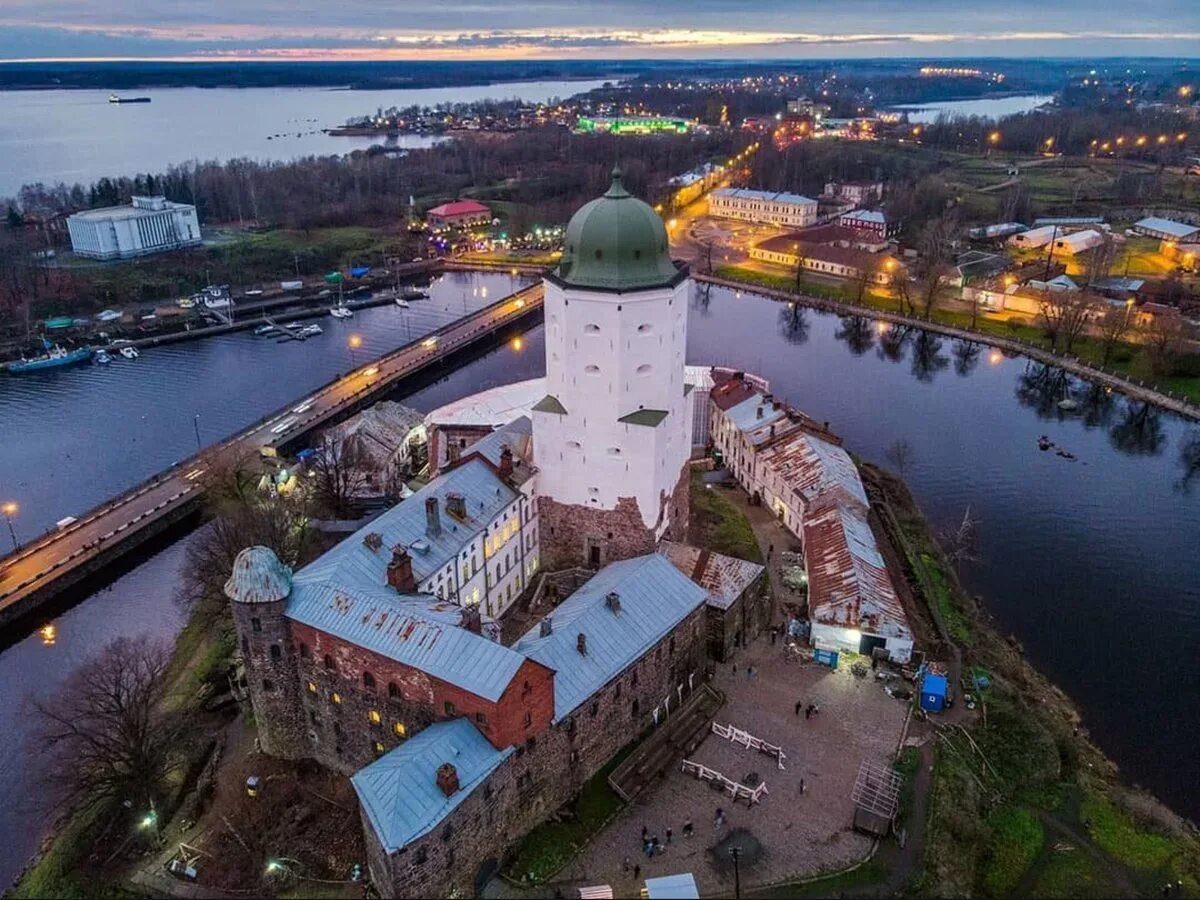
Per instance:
(848,583)
(814,467)
(725,578)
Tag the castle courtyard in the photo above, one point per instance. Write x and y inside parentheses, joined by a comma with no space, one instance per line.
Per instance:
(789,834)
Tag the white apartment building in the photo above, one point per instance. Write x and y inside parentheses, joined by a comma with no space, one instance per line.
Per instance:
(148,225)
(763,207)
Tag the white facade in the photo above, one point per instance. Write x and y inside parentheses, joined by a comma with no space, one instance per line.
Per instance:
(614,367)
(763,207)
(148,225)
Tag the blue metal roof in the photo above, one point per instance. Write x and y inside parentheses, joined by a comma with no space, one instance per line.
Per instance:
(934,684)
(673,887)
(517,435)
(744,415)
(410,629)
(399,790)
(352,563)
(655,597)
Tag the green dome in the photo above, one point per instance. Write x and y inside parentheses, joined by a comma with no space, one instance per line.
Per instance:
(616,243)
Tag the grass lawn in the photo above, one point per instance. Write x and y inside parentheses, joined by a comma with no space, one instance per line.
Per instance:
(867,874)
(1071,873)
(717,524)
(1017,838)
(551,845)
(1117,834)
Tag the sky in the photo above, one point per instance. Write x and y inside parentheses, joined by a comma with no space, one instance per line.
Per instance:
(556,29)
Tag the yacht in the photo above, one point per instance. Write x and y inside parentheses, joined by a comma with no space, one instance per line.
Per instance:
(402,303)
(310,330)
(102,357)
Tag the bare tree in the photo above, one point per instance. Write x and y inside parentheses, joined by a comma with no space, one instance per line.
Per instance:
(111,730)
(1099,260)
(340,473)
(961,542)
(1165,338)
(934,263)
(900,454)
(1114,324)
(863,278)
(1063,315)
(800,261)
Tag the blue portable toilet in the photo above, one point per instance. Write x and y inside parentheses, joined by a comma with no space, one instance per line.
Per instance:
(933,692)
(825,657)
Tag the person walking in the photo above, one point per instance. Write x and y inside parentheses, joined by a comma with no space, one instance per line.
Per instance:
(626,865)
(719,820)
(687,828)
(637,872)
(799,703)
(668,837)
(802,787)
(808,711)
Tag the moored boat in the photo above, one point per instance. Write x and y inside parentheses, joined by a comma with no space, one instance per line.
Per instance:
(54,357)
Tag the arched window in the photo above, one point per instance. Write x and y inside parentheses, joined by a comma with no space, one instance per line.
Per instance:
(276,652)
(328,662)
(592,370)
(304,651)
(393,691)
(635,708)
(644,369)
(645,328)
(368,681)
(591,328)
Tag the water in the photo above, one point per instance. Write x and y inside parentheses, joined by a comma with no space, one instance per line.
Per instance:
(1089,563)
(78,136)
(990,107)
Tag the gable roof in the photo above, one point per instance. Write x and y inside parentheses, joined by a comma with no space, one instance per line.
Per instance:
(1177,230)
(655,597)
(725,578)
(413,629)
(460,208)
(848,583)
(813,467)
(399,791)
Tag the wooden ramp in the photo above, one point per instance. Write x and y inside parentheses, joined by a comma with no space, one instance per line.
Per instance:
(670,743)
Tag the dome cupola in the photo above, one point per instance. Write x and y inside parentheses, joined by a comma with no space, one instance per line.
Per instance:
(258,577)
(617,243)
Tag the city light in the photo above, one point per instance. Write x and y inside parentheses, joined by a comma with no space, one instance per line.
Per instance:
(355,341)
(148,820)
(9,509)
(994,137)
(48,634)
(517,344)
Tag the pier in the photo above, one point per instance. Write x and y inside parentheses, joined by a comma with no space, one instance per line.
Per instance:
(44,567)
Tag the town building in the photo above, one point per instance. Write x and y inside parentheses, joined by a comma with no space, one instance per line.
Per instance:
(827,259)
(386,442)
(1034,238)
(872,221)
(1078,242)
(1167,230)
(860,193)
(148,225)
(806,107)
(798,470)
(634,125)
(458,214)
(763,207)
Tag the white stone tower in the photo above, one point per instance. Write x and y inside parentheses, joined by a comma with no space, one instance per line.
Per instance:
(613,435)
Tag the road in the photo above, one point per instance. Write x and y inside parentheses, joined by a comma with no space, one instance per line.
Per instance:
(29,575)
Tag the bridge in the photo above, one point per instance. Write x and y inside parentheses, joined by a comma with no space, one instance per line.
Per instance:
(44,567)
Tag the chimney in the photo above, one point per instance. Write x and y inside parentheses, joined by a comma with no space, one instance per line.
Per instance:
(613,601)
(758,412)
(453,451)
(433,521)
(546,628)
(447,779)
(506,462)
(772,431)
(399,572)
(471,619)
(581,644)
(775,406)
(456,505)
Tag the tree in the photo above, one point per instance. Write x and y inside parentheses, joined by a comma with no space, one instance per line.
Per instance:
(1098,261)
(800,261)
(934,262)
(1063,315)
(961,542)
(863,277)
(1115,322)
(900,454)
(111,729)
(1165,338)
(14,218)
(340,474)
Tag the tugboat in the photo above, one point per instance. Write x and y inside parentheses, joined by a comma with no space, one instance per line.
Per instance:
(113,98)
(54,357)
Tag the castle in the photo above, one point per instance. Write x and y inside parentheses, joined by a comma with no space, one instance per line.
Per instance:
(381,659)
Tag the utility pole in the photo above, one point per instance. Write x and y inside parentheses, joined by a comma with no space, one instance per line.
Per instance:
(1050,255)
(736,852)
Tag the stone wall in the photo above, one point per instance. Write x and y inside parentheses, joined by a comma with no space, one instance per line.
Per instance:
(570,532)
(744,619)
(543,773)
(264,636)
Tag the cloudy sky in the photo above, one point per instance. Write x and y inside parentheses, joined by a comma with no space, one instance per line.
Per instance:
(501,29)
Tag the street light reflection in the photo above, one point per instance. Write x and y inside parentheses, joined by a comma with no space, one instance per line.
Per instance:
(48,634)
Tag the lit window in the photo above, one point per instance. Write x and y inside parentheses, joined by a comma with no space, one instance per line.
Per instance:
(312,688)
(336,698)
(374,716)
(399,729)
(379,748)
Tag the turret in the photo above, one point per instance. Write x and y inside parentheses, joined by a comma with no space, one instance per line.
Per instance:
(258,589)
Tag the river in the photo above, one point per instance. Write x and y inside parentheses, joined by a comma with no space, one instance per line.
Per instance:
(78,136)
(1089,563)
(988,107)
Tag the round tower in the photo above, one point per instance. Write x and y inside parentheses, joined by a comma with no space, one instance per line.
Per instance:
(258,588)
(613,436)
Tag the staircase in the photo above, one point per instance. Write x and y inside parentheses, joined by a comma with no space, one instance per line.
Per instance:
(671,742)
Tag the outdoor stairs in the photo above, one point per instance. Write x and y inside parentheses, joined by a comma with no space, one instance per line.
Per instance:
(671,742)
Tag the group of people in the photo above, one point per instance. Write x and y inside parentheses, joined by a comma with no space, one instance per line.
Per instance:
(809,711)
(652,846)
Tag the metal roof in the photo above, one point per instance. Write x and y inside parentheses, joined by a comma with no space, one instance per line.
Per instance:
(745,417)
(351,563)
(673,887)
(725,578)
(399,791)
(848,583)
(413,629)
(258,577)
(491,408)
(765,196)
(651,418)
(813,467)
(1177,230)
(654,598)
(517,435)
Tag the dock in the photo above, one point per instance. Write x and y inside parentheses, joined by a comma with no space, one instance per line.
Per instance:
(43,568)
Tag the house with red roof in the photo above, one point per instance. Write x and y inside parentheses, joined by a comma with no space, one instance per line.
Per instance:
(458,214)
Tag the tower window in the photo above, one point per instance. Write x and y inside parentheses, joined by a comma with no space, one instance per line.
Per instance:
(592,370)
(644,369)
(373,717)
(276,652)
(328,662)
(256,626)
(399,729)
(591,328)
(645,328)
(368,681)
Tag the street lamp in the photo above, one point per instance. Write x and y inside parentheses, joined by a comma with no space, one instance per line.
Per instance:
(735,853)
(10,509)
